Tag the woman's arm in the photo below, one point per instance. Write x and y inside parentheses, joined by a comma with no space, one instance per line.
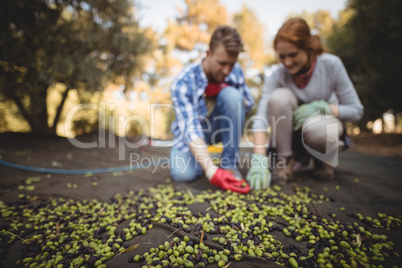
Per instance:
(334,109)
(260,139)
(349,108)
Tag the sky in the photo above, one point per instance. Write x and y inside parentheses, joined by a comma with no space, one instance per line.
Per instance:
(272,13)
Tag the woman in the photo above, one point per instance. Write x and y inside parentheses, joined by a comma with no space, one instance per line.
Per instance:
(306,102)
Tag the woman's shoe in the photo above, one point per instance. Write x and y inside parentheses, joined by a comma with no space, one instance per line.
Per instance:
(283,174)
(322,171)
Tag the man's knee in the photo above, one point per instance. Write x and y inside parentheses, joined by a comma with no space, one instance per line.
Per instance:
(230,95)
(183,166)
(182,175)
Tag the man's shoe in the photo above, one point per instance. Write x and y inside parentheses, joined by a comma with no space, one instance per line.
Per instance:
(283,172)
(322,171)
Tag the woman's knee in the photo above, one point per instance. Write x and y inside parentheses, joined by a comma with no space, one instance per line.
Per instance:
(282,97)
(320,132)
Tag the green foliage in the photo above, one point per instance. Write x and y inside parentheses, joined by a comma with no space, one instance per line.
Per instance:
(369,43)
(81,44)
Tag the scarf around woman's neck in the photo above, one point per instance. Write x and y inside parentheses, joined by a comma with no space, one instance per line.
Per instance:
(301,80)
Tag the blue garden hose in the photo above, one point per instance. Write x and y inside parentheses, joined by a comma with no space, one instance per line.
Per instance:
(88,171)
(83,171)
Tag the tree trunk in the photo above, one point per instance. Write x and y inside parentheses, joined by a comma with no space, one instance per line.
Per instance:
(59,110)
(38,110)
(395,124)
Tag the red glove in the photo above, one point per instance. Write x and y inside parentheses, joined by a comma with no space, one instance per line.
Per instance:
(225,180)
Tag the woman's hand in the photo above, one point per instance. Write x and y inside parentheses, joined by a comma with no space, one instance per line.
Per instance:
(258,175)
(304,111)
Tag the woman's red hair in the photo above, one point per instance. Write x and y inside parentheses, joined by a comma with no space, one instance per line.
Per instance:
(297,31)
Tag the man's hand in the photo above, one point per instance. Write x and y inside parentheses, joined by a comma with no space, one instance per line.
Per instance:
(225,180)
(259,176)
(304,111)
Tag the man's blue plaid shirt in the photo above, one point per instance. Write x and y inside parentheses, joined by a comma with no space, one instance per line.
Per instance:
(187,92)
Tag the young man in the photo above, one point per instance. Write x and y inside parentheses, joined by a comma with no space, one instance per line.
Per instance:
(210,99)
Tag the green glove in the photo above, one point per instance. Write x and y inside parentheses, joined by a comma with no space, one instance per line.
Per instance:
(259,176)
(304,111)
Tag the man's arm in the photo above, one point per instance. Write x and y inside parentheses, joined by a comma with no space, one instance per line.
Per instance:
(187,117)
(199,149)
(217,176)
(237,77)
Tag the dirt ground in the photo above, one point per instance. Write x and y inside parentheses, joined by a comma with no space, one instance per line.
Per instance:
(369,176)
(59,153)
(378,145)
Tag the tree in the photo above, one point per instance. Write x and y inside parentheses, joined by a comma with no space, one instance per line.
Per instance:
(369,44)
(193,27)
(81,44)
(252,32)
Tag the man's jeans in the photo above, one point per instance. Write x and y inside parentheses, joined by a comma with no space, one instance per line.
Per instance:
(225,125)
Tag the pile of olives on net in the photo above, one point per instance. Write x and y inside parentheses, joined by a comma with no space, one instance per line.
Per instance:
(270,225)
